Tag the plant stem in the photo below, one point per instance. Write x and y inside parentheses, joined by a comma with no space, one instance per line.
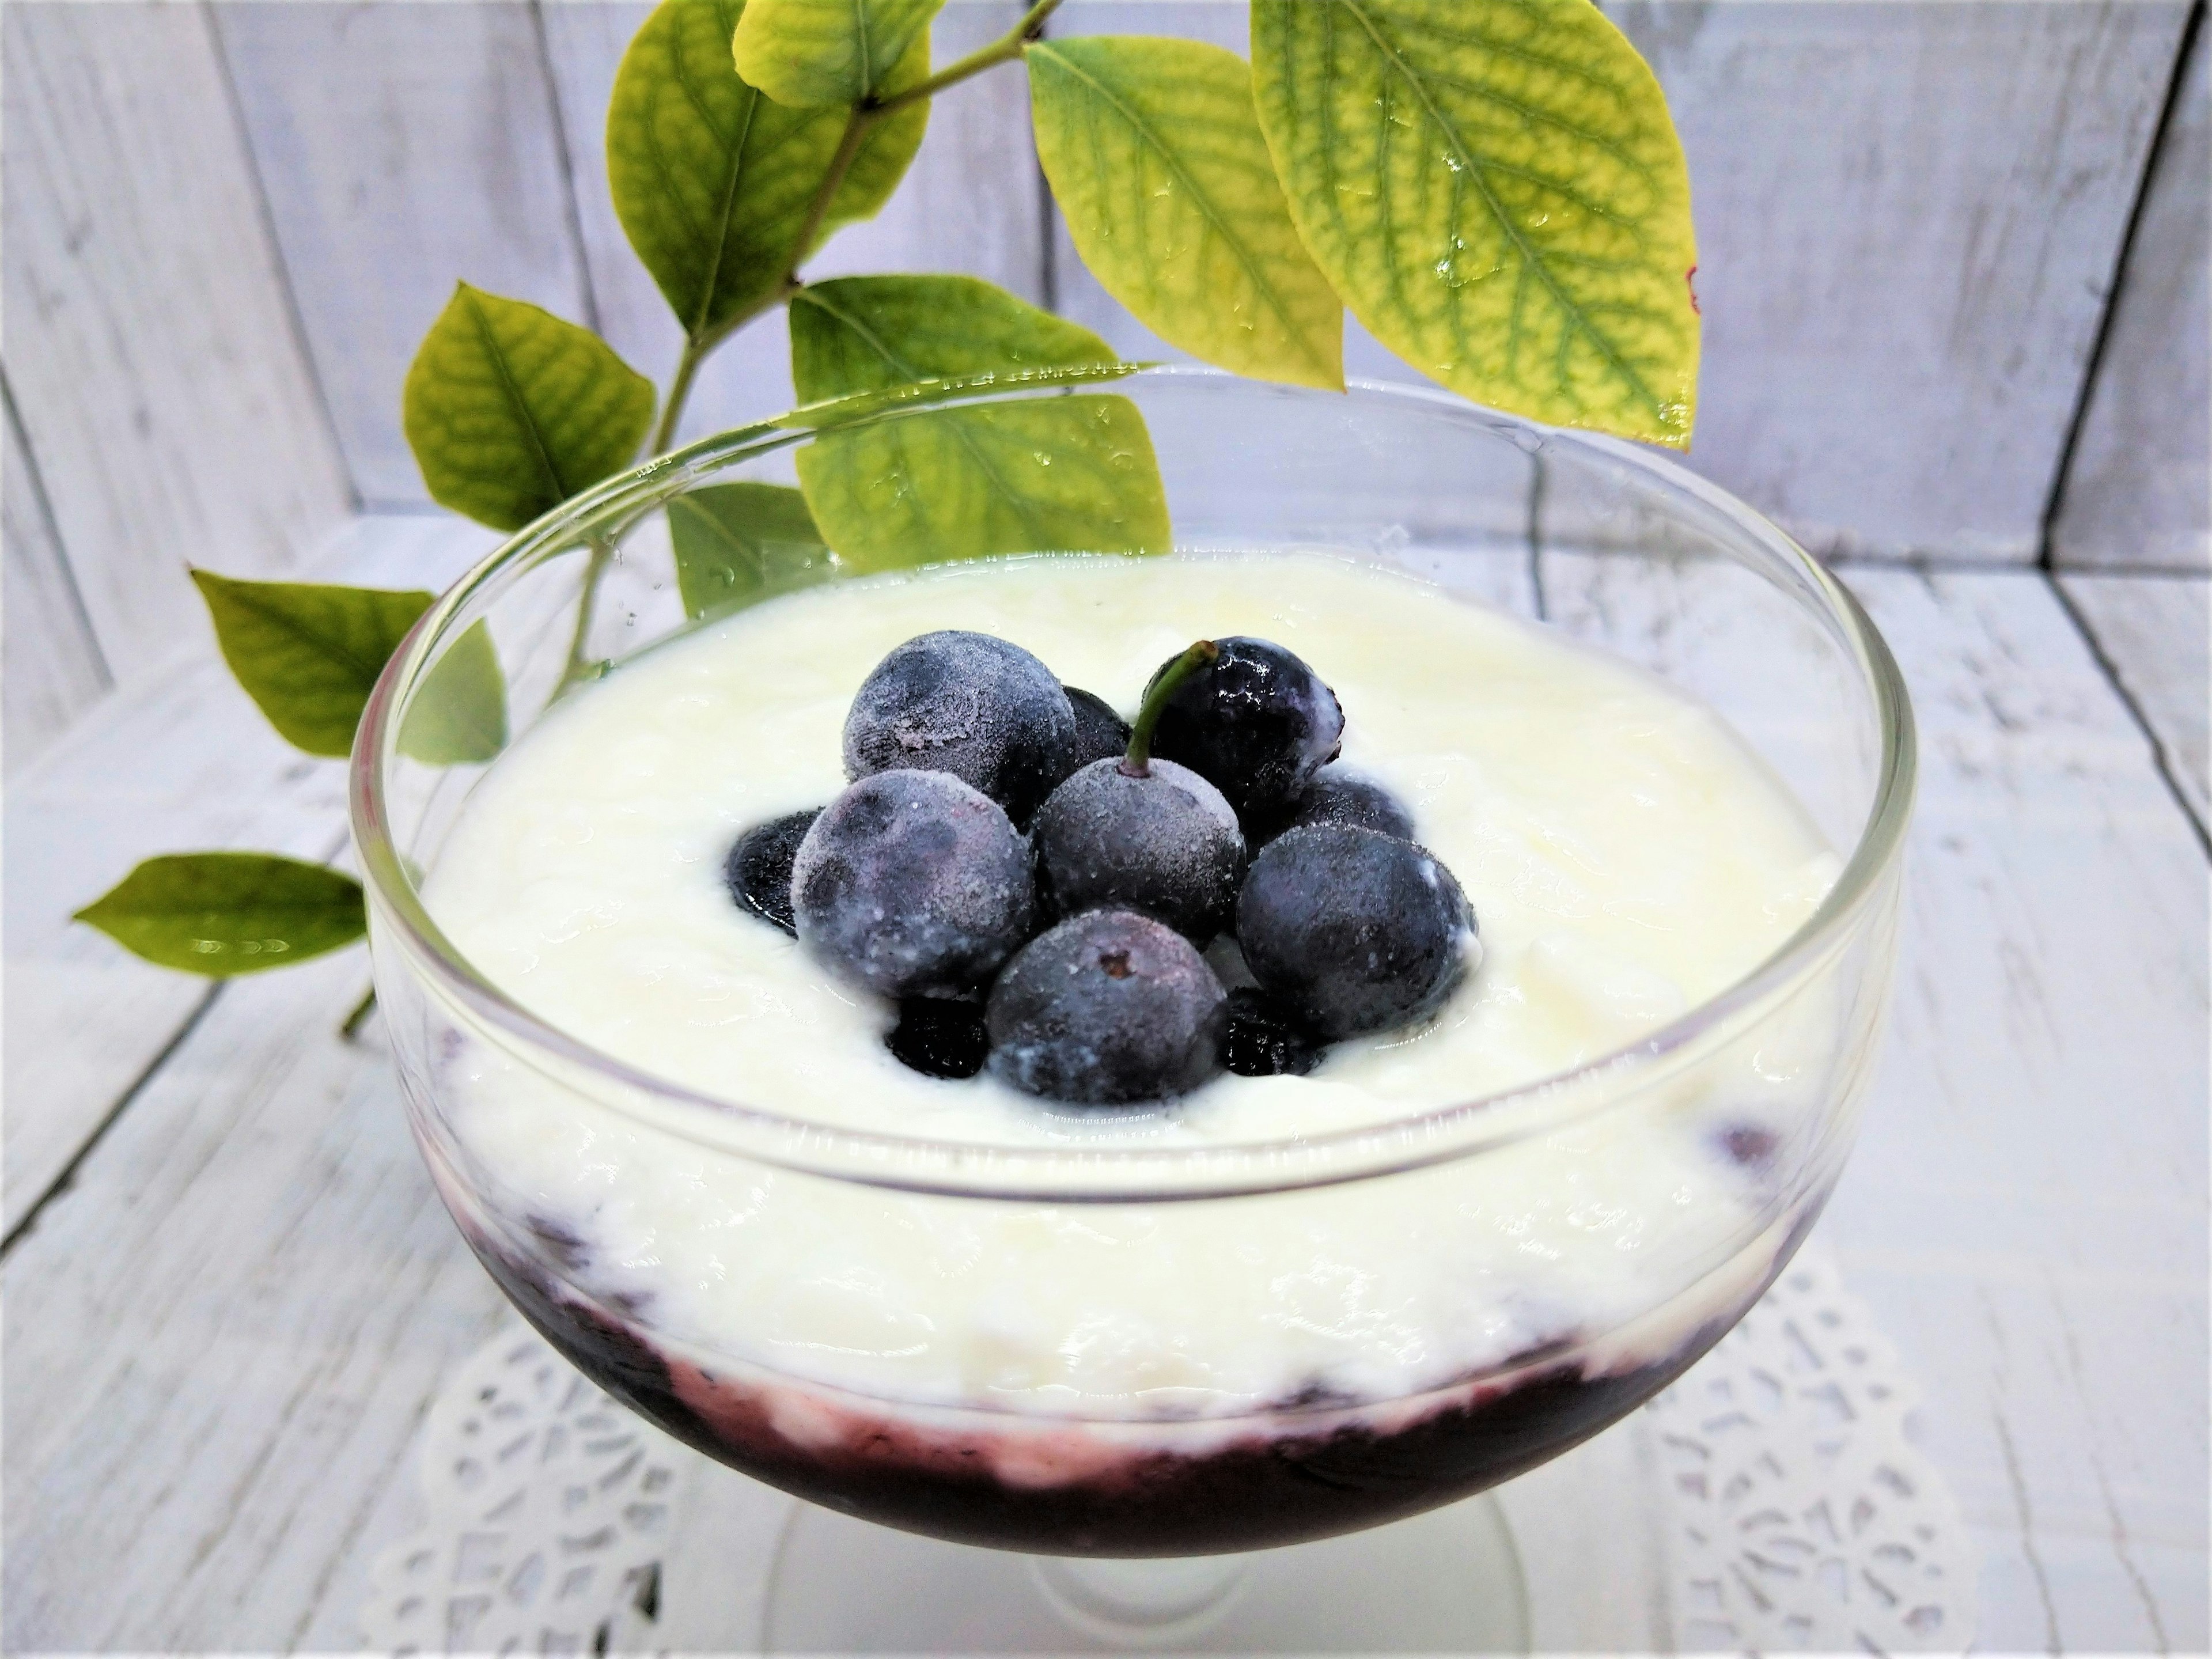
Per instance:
(359,1017)
(857,127)
(578,666)
(679,392)
(1138,762)
(1004,50)
(865,116)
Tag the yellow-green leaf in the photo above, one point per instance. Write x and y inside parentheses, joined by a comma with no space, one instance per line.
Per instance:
(458,715)
(867,333)
(1495,189)
(308,654)
(221,913)
(1153,150)
(510,411)
(738,542)
(1044,475)
(808,53)
(712,180)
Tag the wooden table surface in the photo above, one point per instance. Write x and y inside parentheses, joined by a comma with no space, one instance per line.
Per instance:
(230,1294)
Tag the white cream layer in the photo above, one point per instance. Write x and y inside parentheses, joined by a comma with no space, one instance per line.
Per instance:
(1625,858)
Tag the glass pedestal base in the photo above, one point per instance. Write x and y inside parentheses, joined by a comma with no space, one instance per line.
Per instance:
(1447,1581)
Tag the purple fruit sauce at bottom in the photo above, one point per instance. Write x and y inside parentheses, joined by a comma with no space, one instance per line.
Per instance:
(1284,1485)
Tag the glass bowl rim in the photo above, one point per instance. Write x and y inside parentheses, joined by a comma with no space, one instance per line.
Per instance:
(1417,1138)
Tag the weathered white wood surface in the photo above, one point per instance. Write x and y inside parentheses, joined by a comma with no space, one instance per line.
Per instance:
(220,1338)
(971,202)
(1908,218)
(49,664)
(402,147)
(164,395)
(2026,1209)
(2139,490)
(178,760)
(2156,633)
(276,1294)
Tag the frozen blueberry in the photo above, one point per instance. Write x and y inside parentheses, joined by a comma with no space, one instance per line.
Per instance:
(1108,1008)
(912,883)
(1336,796)
(1163,843)
(1352,930)
(1257,723)
(758,869)
(985,711)
(940,1036)
(1100,733)
(1265,1040)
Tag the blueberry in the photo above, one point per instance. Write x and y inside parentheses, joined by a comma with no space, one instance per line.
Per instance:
(1257,723)
(1100,733)
(758,869)
(1165,843)
(1336,796)
(1352,930)
(912,883)
(1265,1040)
(1108,1008)
(985,711)
(940,1036)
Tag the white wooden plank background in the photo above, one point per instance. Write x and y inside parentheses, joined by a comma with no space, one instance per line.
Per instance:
(150,351)
(1907,221)
(2026,1209)
(51,663)
(178,761)
(2139,490)
(403,147)
(1890,200)
(2156,633)
(1911,213)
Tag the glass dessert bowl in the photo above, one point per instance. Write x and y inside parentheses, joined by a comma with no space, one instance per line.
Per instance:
(1286,1308)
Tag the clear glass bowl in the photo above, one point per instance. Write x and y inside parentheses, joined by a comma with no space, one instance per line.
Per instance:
(1608,545)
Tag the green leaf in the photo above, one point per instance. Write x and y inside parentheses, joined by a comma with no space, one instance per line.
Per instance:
(510,411)
(808,53)
(308,654)
(1153,149)
(712,180)
(1047,474)
(867,333)
(739,543)
(221,913)
(458,716)
(1495,188)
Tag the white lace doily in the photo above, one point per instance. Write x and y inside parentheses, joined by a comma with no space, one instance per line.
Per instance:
(1803,1518)
(1797,1513)
(548,1515)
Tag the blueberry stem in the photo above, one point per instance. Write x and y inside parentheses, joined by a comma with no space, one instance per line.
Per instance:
(1138,762)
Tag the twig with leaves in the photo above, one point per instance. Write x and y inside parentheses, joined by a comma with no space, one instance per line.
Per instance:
(1493,187)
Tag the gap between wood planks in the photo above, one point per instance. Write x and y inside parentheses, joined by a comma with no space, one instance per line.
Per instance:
(2191,25)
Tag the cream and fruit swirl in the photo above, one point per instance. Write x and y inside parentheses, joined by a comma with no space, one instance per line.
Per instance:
(1625,856)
